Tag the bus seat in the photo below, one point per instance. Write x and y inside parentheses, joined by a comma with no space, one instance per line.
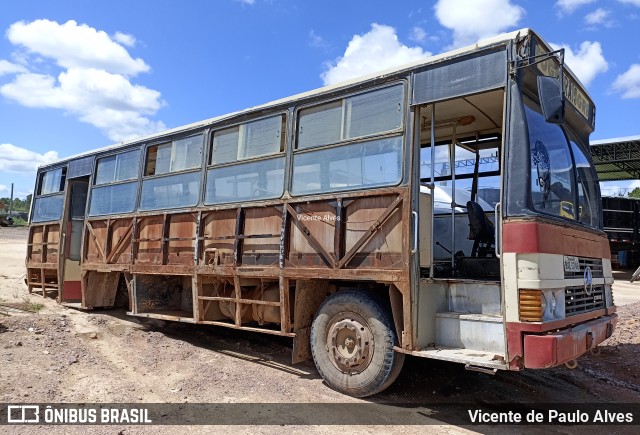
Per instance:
(481,231)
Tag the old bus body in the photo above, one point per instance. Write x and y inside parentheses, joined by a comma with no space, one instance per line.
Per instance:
(447,209)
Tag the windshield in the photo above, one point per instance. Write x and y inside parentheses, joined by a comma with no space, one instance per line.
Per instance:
(563,183)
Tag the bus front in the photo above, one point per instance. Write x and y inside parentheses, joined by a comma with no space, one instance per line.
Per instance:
(556,258)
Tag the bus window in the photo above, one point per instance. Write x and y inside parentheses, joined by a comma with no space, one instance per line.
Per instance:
(50,200)
(114,191)
(252,139)
(373,163)
(252,180)
(160,187)
(589,210)
(552,177)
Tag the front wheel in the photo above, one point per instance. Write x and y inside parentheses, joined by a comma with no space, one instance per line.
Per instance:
(352,341)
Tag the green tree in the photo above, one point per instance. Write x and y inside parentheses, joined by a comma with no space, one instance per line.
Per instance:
(635,193)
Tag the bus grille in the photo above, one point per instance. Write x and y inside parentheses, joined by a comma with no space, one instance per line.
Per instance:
(577,300)
(594,263)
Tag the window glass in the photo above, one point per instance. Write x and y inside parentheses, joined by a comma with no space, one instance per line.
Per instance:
(252,139)
(52,182)
(361,115)
(552,173)
(48,208)
(119,198)
(374,112)
(119,167)
(368,164)
(320,125)
(589,206)
(174,191)
(179,155)
(248,181)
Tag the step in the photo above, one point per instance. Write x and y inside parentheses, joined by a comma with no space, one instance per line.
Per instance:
(480,332)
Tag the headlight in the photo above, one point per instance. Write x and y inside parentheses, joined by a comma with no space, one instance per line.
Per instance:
(541,305)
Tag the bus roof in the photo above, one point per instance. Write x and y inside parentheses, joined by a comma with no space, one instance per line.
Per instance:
(485,43)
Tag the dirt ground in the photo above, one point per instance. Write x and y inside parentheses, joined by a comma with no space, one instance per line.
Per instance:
(58,355)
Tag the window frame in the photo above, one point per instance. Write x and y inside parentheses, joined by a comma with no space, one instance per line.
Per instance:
(400,132)
(204,134)
(282,154)
(137,180)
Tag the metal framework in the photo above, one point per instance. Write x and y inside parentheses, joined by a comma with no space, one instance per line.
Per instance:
(617,159)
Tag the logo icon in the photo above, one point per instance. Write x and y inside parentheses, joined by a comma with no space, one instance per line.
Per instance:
(588,281)
(23,414)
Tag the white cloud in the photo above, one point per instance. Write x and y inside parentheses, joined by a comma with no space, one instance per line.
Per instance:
(125,39)
(630,2)
(317,41)
(247,2)
(628,83)
(472,20)
(587,62)
(16,159)
(568,6)
(376,50)
(74,46)
(7,67)
(418,34)
(599,16)
(94,83)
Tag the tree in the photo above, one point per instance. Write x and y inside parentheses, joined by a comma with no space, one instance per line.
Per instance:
(635,193)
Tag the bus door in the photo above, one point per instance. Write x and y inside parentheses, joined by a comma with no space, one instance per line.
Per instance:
(74,222)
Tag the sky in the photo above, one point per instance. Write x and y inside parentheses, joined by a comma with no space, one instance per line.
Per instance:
(78,75)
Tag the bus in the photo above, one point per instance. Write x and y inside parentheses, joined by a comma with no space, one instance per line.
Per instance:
(446,209)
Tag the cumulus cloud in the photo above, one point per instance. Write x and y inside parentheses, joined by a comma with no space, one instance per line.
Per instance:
(7,67)
(587,62)
(16,159)
(569,6)
(376,50)
(95,81)
(471,20)
(628,83)
(74,46)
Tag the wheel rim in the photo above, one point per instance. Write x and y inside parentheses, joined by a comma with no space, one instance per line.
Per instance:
(349,343)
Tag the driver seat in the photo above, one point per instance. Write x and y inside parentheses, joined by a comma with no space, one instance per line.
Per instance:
(481,231)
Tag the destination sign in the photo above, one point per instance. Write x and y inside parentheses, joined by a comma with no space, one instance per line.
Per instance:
(572,91)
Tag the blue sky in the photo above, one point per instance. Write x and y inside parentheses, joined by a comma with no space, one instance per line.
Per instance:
(78,75)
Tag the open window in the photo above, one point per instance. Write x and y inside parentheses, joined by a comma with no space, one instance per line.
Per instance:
(460,175)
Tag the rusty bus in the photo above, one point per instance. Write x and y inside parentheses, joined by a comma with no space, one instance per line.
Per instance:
(447,209)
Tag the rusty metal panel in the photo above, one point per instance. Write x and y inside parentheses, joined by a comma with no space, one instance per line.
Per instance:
(312,234)
(120,242)
(182,237)
(149,242)
(219,235)
(384,248)
(99,289)
(261,243)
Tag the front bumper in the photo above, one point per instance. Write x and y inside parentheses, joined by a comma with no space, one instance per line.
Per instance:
(554,348)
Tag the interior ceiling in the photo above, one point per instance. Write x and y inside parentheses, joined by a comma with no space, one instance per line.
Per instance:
(485,109)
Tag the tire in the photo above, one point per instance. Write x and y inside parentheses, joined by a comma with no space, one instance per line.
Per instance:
(362,362)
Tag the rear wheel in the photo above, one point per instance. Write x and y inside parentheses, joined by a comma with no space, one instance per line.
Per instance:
(352,341)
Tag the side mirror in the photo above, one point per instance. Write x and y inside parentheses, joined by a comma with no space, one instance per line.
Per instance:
(551,98)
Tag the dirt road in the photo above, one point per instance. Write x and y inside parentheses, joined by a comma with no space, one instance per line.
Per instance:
(64,355)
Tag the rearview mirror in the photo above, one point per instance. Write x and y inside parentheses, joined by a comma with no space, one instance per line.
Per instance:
(551,99)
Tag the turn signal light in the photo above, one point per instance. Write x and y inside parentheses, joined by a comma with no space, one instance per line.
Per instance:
(532,305)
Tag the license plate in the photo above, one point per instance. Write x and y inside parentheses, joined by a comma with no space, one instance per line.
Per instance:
(571,264)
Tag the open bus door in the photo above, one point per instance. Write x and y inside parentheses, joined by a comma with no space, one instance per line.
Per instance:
(71,289)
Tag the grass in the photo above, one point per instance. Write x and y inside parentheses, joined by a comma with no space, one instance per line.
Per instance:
(19,222)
